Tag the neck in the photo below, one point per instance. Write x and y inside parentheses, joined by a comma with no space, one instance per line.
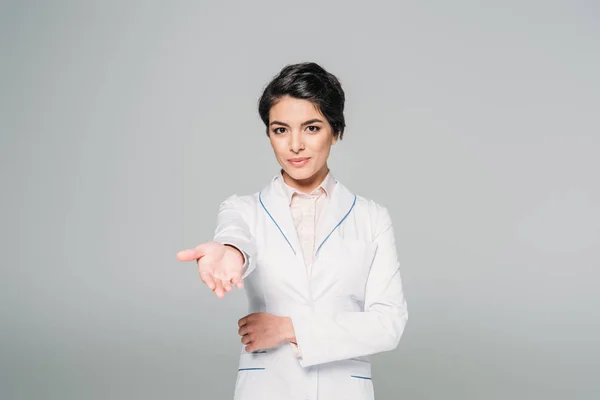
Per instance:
(309,184)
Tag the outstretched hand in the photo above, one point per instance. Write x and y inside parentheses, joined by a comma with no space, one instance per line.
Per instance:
(220,266)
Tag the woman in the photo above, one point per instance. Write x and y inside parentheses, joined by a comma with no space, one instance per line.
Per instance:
(318,262)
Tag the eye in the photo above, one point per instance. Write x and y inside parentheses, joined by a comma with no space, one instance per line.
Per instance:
(313,128)
(277,130)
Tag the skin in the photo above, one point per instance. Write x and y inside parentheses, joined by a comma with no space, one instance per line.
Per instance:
(296,129)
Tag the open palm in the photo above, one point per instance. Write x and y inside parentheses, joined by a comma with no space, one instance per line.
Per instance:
(220,266)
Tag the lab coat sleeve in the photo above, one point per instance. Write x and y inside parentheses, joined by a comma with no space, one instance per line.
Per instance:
(325,338)
(233,229)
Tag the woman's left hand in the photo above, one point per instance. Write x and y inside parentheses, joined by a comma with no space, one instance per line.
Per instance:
(260,331)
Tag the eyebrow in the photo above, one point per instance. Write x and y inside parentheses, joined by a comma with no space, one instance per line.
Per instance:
(310,121)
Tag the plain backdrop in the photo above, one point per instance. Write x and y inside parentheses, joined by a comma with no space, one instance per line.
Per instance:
(124,124)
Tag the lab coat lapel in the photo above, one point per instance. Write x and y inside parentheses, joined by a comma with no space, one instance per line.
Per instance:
(340,204)
(274,202)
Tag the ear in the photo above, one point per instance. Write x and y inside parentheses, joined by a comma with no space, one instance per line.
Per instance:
(333,139)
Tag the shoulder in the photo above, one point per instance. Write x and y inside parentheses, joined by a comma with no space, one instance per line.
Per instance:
(248,200)
(375,211)
(369,209)
(240,206)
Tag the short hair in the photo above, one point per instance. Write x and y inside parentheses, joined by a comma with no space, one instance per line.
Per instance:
(308,81)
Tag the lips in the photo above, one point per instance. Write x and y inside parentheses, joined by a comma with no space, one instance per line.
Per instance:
(298,162)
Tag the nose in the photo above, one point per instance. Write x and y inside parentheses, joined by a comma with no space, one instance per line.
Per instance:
(296,142)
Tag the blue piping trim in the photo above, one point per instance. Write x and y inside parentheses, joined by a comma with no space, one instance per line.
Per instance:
(267,211)
(338,224)
(250,369)
(360,377)
(273,219)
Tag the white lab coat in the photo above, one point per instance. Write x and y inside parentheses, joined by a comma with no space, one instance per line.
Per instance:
(352,305)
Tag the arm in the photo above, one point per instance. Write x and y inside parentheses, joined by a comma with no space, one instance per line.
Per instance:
(232,229)
(346,335)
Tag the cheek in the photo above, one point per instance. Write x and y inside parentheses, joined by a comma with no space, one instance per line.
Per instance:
(322,147)
(278,148)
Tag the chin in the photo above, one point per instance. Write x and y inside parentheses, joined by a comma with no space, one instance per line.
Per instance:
(299,175)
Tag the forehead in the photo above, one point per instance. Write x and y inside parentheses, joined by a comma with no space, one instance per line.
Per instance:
(290,110)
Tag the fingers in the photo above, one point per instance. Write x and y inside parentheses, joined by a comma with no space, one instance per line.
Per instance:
(192,254)
(244,330)
(238,281)
(214,281)
(248,334)
(187,255)
(252,345)
(216,285)
(250,342)
(226,285)
(223,281)
(219,291)
(243,321)
(228,281)
(219,286)
(213,272)
(208,280)
(246,339)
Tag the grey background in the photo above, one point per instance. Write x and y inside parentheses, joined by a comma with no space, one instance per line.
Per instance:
(124,124)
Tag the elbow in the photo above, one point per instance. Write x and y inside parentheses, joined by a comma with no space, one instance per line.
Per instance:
(400,325)
(394,329)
